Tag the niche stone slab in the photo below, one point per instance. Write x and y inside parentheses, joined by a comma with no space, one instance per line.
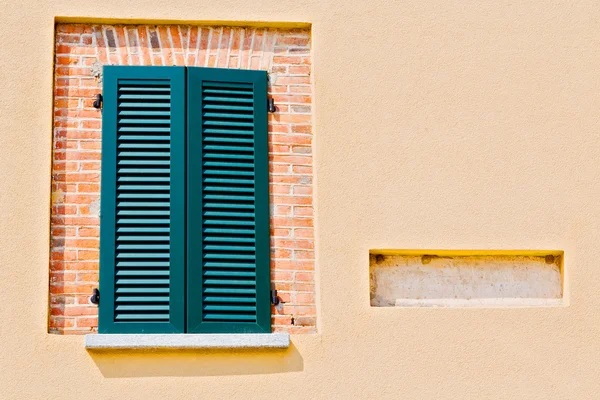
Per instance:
(465,279)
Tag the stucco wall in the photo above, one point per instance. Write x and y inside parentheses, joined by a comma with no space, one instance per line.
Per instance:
(438,124)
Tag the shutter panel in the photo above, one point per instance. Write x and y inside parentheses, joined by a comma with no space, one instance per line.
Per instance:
(228,202)
(143,200)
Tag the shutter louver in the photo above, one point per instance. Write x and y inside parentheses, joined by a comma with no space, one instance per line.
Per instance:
(228,262)
(142,227)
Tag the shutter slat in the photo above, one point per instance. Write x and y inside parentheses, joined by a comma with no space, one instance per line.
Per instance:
(143,105)
(143,247)
(144,196)
(227,140)
(229,317)
(144,255)
(218,164)
(225,299)
(229,156)
(228,214)
(221,83)
(226,91)
(144,154)
(143,212)
(144,146)
(160,171)
(143,264)
(223,131)
(228,123)
(141,290)
(143,179)
(142,281)
(143,129)
(229,290)
(143,162)
(229,148)
(229,308)
(148,188)
(136,204)
(222,106)
(230,274)
(228,239)
(144,97)
(142,299)
(139,138)
(146,221)
(228,197)
(228,99)
(142,308)
(229,282)
(228,265)
(228,189)
(128,238)
(228,222)
(231,232)
(143,121)
(143,273)
(228,248)
(229,206)
(146,317)
(229,116)
(233,181)
(220,256)
(143,229)
(140,88)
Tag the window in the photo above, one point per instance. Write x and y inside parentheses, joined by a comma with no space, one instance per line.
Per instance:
(184,230)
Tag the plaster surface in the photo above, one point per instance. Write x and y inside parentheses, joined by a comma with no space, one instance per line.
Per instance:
(438,124)
(483,280)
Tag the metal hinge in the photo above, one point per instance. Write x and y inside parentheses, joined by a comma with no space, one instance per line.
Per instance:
(98,102)
(274,298)
(95,298)
(271,105)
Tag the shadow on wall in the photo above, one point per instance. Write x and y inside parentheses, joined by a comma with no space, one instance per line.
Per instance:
(183,363)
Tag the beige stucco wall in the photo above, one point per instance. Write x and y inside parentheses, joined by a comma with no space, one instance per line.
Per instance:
(439,125)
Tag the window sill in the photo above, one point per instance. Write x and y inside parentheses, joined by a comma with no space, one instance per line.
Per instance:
(187,341)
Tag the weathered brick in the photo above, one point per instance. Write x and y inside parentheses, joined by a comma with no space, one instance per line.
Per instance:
(77,153)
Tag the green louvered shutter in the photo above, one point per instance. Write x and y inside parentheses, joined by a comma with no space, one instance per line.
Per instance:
(228,202)
(142,228)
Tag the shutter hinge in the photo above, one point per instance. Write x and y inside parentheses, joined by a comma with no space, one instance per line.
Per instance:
(274,298)
(95,298)
(271,105)
(98,102)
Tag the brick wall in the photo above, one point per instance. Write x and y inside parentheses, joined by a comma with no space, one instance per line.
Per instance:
(81,50)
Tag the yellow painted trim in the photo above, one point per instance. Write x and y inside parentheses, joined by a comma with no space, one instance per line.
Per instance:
(465,253)
(143,21)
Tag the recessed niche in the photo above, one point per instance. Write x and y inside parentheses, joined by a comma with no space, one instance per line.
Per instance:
(431,278)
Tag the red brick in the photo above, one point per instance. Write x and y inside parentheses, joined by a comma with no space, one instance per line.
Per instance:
(88,188)
(82,243)
(88,255)
(77,156)
(87,322)
(303,233)
(289,159)
(304,255)
(89,232)
(62,322)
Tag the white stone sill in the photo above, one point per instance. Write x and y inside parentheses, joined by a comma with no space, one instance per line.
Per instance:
(186,341)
